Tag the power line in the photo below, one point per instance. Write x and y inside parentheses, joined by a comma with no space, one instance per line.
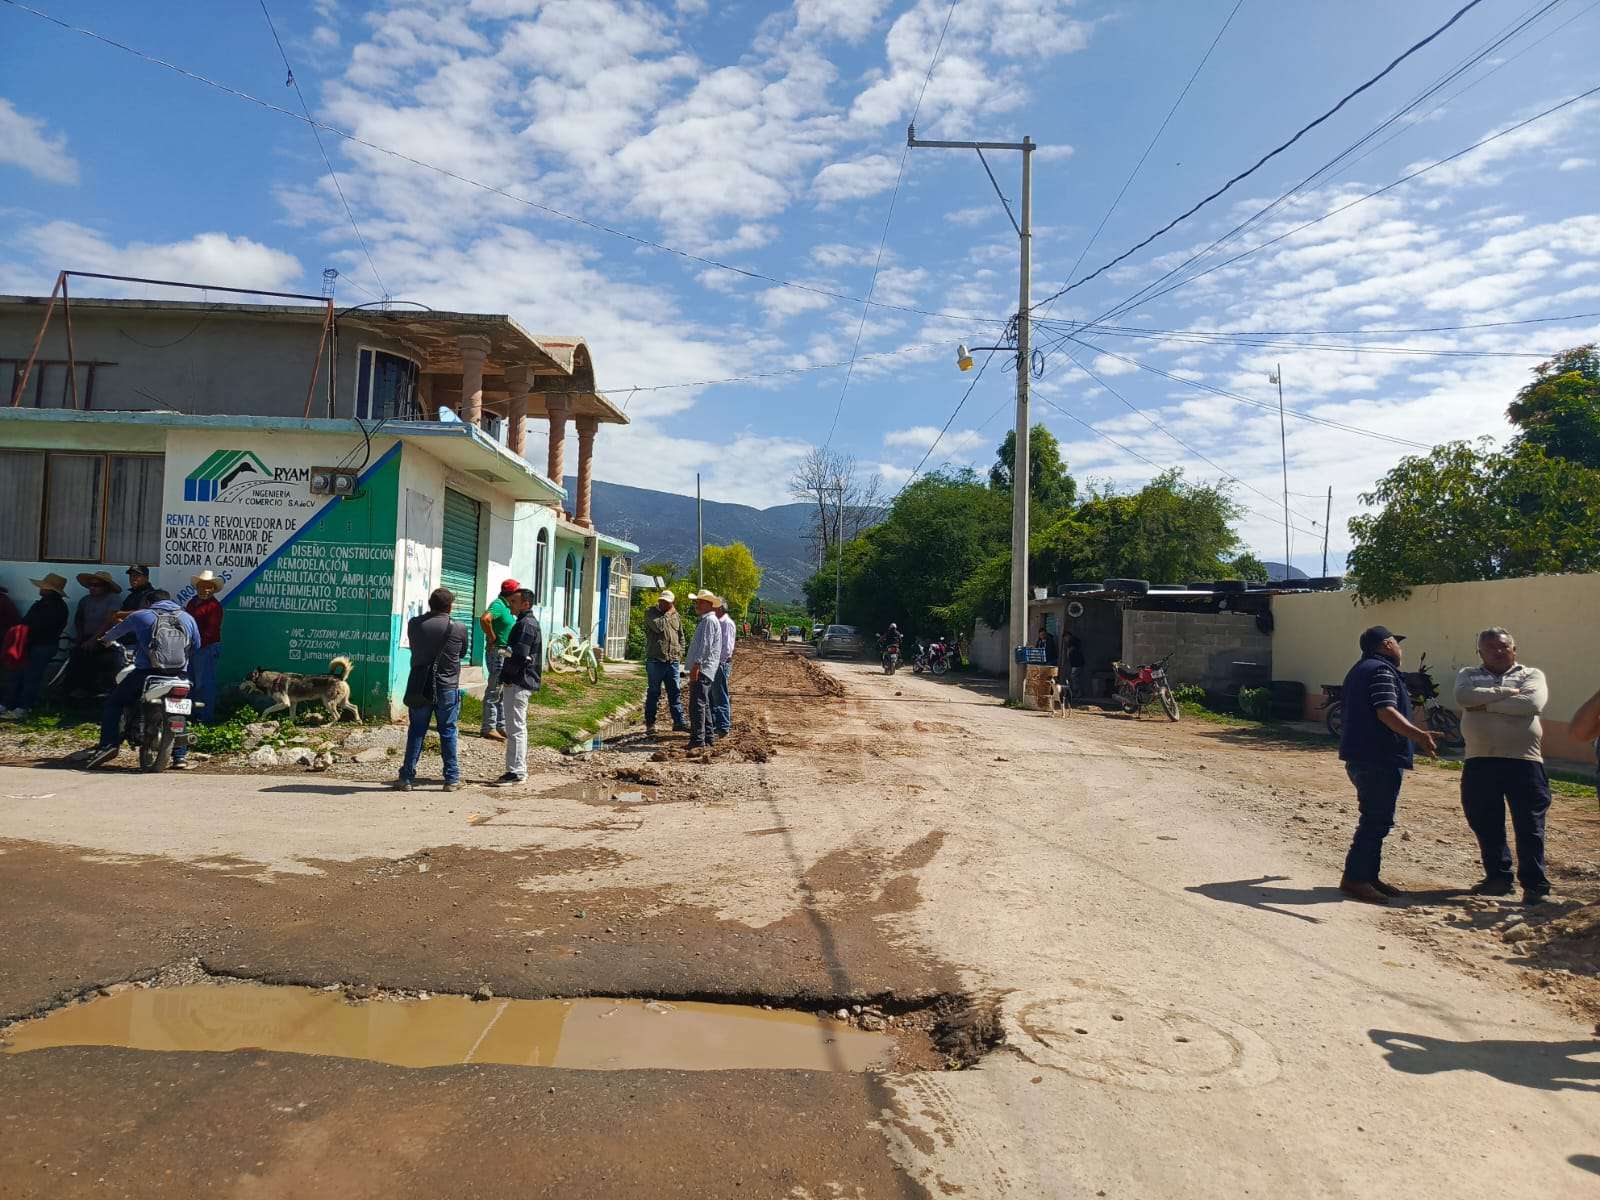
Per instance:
(332,174)
(585,222)
(883,240)
(1227,340)
(1098,328)
(1132,175)
(774,374)
(1273,153)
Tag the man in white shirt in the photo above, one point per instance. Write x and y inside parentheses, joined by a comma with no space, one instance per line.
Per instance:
(1500,702)
(721,700)
(705,656)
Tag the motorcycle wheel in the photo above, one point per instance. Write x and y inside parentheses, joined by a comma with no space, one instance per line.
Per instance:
(1169,703)
(1335,718)
(941,666)
(1446,724)
(155,753)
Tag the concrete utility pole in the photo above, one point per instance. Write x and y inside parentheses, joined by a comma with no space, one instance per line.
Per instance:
(1326,522)
(699,534)
(1283,449)
(1020,473)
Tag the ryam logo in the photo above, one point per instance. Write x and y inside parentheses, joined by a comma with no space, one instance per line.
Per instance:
(229,470)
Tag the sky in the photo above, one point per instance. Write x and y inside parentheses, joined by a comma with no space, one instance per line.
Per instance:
(596,166)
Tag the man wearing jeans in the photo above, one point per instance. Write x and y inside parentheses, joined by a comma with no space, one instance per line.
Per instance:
(496,622)
(721,698)
(1375,745)
(1500,705)
(433,689)
(663,656)
(521,678)
(705,656)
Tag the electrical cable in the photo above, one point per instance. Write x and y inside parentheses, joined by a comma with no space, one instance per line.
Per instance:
(778,373)
(328,162)
(1273,153)
(491,189)
(883,240)
(1225,340)
(1097,329)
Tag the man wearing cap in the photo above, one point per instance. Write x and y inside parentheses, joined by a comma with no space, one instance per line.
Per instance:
(705,656)
(1375,745)
(45,620)
(140,589)
(96,613)
(1500,701)
(142,625)
(496,622)
(663,657)
(522,675)
(206,610)
(721,699)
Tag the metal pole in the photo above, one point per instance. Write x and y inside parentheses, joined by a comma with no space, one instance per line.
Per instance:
(1326,522)
(838,555)
(72,355)
(1283,449)
(38,340)
(1021,474)
(699,534)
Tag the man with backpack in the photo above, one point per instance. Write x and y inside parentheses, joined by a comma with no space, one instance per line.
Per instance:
(433,688)
(166,640)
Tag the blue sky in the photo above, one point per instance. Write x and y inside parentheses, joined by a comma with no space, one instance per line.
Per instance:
(770,136)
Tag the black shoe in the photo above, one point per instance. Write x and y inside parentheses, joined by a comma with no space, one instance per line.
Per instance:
(1492,887)
(1388,889)
(1535,895)
(1363,890)
(508,780)
(404,785)
(680,729)
(649,731)
(102,755)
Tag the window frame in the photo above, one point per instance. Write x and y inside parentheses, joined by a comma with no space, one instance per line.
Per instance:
(364,380)
(541,566)
(101,517)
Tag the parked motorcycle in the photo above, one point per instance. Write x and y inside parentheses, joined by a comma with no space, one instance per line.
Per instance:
(158,721)
(1137,687)
(919,659)
(1424,698)
(940,655)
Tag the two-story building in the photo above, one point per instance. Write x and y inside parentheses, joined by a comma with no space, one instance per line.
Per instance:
(192,435)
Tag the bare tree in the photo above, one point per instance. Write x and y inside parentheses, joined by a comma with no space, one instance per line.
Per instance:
(845,500)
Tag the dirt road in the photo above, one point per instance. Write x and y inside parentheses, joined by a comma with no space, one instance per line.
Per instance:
(1187,1008)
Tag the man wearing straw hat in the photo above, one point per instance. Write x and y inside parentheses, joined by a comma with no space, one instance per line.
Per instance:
(705,656)
(206,610)
(45,621)
(96,613)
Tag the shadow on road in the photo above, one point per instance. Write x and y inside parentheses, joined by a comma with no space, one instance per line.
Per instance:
(328,789)
(1547,1066)
(1251,894)
(1586,1162)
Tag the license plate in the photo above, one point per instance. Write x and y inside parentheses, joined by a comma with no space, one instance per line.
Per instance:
(179,706)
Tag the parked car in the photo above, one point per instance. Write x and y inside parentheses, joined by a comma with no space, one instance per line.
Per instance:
(845,641)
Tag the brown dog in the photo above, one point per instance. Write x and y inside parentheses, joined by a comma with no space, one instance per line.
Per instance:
(286,689)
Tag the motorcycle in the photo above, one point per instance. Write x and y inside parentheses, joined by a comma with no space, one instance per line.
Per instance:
(158,721)
(919,659)
(891,657)
(939,656)
(1138,686)
(1424,698)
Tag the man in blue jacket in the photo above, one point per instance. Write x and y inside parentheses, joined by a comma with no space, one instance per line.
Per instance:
(1375,745)
(167,641)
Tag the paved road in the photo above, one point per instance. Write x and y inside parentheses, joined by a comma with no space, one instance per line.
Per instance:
(1189,1011)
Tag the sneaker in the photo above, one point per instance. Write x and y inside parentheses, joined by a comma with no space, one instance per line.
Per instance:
(404,785)
(680,729)
(1362,890)
(1492,887)
(1388,889)
(1535,895)
(182,764)
(452,787)
(102,755)
(508,780)
(494,735)
(649,731)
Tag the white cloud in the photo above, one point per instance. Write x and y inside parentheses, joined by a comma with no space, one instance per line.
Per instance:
(204,258)
(24,143)
(956,444)
(856,179)
(850,20)
(1104,364)
(1575,164)
(1053,153)
(832,255)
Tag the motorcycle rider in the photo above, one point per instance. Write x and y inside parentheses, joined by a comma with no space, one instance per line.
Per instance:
(167,641)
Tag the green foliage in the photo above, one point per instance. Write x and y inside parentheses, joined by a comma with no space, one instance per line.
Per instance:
(1189,693)
(732,573)
(1559,412)
(1256,703)
(1246,566)
(1465,512)
(1050,488)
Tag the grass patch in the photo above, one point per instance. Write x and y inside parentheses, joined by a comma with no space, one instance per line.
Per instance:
(567,708)
(1573,784)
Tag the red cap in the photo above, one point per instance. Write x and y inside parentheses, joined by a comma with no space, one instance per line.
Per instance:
(510,585)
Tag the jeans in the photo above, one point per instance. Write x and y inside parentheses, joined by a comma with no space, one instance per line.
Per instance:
(29,678)
(657,674)
(205,682)
(700,731)
(1488,787)
(1378,792)
(515,709)
(445,711)
(721,700)
(122,695)
(494,716)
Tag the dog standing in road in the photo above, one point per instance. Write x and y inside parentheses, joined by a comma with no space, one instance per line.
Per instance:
(286,689)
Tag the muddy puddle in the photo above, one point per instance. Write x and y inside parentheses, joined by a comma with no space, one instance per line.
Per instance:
(586,1035)
(618,795)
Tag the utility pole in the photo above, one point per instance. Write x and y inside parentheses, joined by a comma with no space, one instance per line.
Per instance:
(1283,449)
(838,555)
(1020,471)
(1326,522)
(699,534)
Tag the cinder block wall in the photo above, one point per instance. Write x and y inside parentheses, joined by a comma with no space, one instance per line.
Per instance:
(1206,644)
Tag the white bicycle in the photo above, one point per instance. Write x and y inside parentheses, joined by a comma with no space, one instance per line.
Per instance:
(571,652)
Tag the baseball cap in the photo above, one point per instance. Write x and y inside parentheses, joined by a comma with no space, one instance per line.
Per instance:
(136,569)
(510,585)
(666,594)
(1376,636)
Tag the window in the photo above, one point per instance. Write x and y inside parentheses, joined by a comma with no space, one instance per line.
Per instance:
(75,507)
(541,564)
(569,601)
(386,387)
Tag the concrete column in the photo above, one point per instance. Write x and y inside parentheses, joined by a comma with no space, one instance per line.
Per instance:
(474,350)
(587,426)
(517,408)
(589,597)
(560,408)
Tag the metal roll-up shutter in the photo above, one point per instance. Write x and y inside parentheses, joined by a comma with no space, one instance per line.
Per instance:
(459,570)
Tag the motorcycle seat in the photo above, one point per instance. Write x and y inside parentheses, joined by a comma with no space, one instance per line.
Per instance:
(1126,672)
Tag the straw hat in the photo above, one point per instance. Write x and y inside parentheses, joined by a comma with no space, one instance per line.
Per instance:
(206,579)
(51,582)
(104,578)
(708,597)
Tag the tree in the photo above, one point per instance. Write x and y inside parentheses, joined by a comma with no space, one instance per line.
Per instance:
(1049,485)
(1464,512)
(844,499)
(1560,410)
(732,573)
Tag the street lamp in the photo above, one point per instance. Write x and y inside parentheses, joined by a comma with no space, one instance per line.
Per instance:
(963,357)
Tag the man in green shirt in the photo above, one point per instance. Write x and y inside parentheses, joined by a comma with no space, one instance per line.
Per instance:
(496,622)
(663,656)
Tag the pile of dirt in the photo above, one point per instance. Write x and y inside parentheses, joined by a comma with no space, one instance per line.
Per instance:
(825,684)
(748,741)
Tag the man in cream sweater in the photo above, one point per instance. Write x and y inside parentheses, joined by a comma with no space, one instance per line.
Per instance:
(1501,701)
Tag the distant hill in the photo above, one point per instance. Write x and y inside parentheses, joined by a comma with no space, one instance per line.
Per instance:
(661,524)
(1275,572)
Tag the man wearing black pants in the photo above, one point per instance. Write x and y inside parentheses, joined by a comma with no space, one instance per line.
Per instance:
(1501,701)
(1375,745)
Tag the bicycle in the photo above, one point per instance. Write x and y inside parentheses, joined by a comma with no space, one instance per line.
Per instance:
(570,652)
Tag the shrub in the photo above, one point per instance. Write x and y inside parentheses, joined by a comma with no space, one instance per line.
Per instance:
(1256,703)
(1189,693)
